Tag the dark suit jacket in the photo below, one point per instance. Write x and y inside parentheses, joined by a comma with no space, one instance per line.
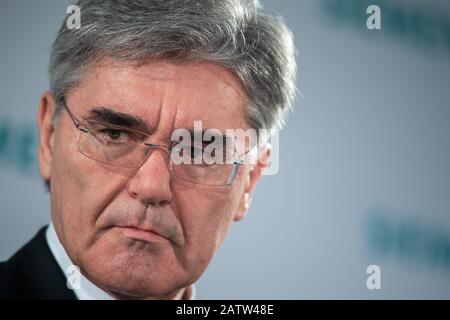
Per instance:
(33,273)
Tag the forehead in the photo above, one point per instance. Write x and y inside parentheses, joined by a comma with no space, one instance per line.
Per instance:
(166,94)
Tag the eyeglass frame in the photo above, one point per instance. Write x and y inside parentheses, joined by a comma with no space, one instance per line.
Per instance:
(79,126)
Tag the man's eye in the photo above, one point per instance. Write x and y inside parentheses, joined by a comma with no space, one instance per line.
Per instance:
(114,136)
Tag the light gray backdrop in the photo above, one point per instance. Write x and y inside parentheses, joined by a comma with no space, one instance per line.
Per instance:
(364,162)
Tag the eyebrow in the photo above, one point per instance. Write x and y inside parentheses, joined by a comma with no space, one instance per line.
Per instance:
(111,116)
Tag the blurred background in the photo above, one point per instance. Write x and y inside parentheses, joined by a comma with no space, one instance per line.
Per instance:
(364,174)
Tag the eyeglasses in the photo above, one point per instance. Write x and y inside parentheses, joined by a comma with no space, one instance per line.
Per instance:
(124,147)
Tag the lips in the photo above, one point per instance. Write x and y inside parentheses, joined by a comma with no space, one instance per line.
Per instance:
(146,235)
(145,224)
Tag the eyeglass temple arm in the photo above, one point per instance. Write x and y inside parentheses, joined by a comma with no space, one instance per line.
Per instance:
(76,122)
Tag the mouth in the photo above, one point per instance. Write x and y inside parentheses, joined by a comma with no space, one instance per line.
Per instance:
(143,235)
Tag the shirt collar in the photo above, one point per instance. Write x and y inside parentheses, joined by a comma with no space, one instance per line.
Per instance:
(87,290)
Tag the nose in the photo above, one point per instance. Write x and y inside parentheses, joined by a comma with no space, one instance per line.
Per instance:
(151,183)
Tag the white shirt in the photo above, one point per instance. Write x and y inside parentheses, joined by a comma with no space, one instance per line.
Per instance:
(86,289)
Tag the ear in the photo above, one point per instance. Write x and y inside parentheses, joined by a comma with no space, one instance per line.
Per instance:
(252,179)
(47,107)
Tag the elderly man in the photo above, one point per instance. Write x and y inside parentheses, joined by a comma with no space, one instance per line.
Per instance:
(134,222)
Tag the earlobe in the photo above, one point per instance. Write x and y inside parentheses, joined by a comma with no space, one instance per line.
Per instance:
(46,134)
(243,207)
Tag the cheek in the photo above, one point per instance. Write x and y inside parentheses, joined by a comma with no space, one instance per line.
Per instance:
(206,219)
(80,189)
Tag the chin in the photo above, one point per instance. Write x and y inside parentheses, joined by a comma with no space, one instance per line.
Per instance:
(135,274)
(141,287)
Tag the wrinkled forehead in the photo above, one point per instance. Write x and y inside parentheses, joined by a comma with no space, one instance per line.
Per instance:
(165,95)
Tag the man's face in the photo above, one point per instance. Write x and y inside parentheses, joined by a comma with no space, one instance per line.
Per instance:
(98,210)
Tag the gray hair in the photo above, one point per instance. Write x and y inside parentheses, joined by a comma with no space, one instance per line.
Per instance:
(237,34)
